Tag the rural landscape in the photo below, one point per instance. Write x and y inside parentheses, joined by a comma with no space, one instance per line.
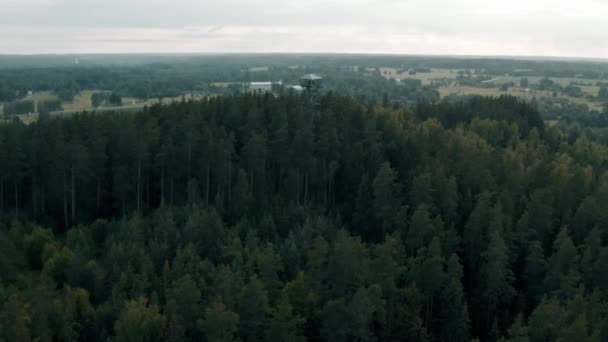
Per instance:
(291,171)
(303,197)
(560,88)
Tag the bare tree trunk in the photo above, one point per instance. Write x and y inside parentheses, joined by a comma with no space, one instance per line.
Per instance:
(16,199)
(326,186)
(42,201)
(65,201)
(2,195)
(147,193)
(33,192)
(98,198)
(229,181)
(207,186)
(73,196)
(171,194)
(138,185)
(305,188)
(162,186)
(429,312)
(251,184)
(189,160)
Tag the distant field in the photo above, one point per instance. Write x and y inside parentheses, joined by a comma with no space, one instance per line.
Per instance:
(259,69)
(451,74)
(82,102)
(41,96)
(466,90)
(224,84)
(514,91)
(425,77)
(563,81)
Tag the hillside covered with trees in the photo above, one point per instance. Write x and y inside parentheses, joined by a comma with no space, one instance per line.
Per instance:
(260,218)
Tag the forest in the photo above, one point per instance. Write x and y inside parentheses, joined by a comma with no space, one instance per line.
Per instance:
(256,217)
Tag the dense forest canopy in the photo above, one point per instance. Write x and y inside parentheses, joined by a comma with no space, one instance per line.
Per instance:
(258,217)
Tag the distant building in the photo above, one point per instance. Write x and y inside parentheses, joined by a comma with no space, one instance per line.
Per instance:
(260,86)
(311,82)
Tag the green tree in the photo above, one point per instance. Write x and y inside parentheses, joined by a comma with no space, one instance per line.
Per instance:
(285,325)
(421,229)
(140,321)
(253,310)
(453,309)
(16,318)
(497,290)
(219,324)
(386,195)
(563,274)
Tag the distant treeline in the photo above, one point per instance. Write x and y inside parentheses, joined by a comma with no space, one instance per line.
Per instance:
(152,77)
(19,107)
(30,106)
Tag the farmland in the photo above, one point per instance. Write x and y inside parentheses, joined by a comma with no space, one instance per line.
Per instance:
(82,102)
(426,77)
(451,82)
(515,91)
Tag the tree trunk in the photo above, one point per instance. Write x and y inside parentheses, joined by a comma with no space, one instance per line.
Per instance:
(162,186)
(42,201)
(171,194)
(73,196)
(147,193)
(2,195)
(326,187)
(207,186)
(138,186)
(33,192)
(189,160)
(229,181)
(429,312)
(65,201)
(98,197)
(305,188)
(16,199)
(251,184)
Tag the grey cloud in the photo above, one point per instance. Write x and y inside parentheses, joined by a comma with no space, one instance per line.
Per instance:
(544,27)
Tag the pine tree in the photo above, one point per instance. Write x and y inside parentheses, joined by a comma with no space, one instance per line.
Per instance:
(285,325)
(386,195)
(140,322)
(219,324)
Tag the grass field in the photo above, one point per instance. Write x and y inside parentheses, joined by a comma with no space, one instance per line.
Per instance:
(450,75)
(225,84)
(259,69)
(425,77)
(515,91)
(42,96)
(562,81)
(82,102)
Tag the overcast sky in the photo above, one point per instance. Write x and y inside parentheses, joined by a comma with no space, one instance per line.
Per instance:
(471,27)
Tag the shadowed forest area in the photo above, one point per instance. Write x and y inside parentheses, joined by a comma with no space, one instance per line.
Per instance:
(255,217)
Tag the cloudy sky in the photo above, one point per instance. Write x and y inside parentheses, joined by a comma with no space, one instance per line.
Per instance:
(466,27)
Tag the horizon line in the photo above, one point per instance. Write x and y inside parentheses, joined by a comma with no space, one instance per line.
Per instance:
(378,54)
